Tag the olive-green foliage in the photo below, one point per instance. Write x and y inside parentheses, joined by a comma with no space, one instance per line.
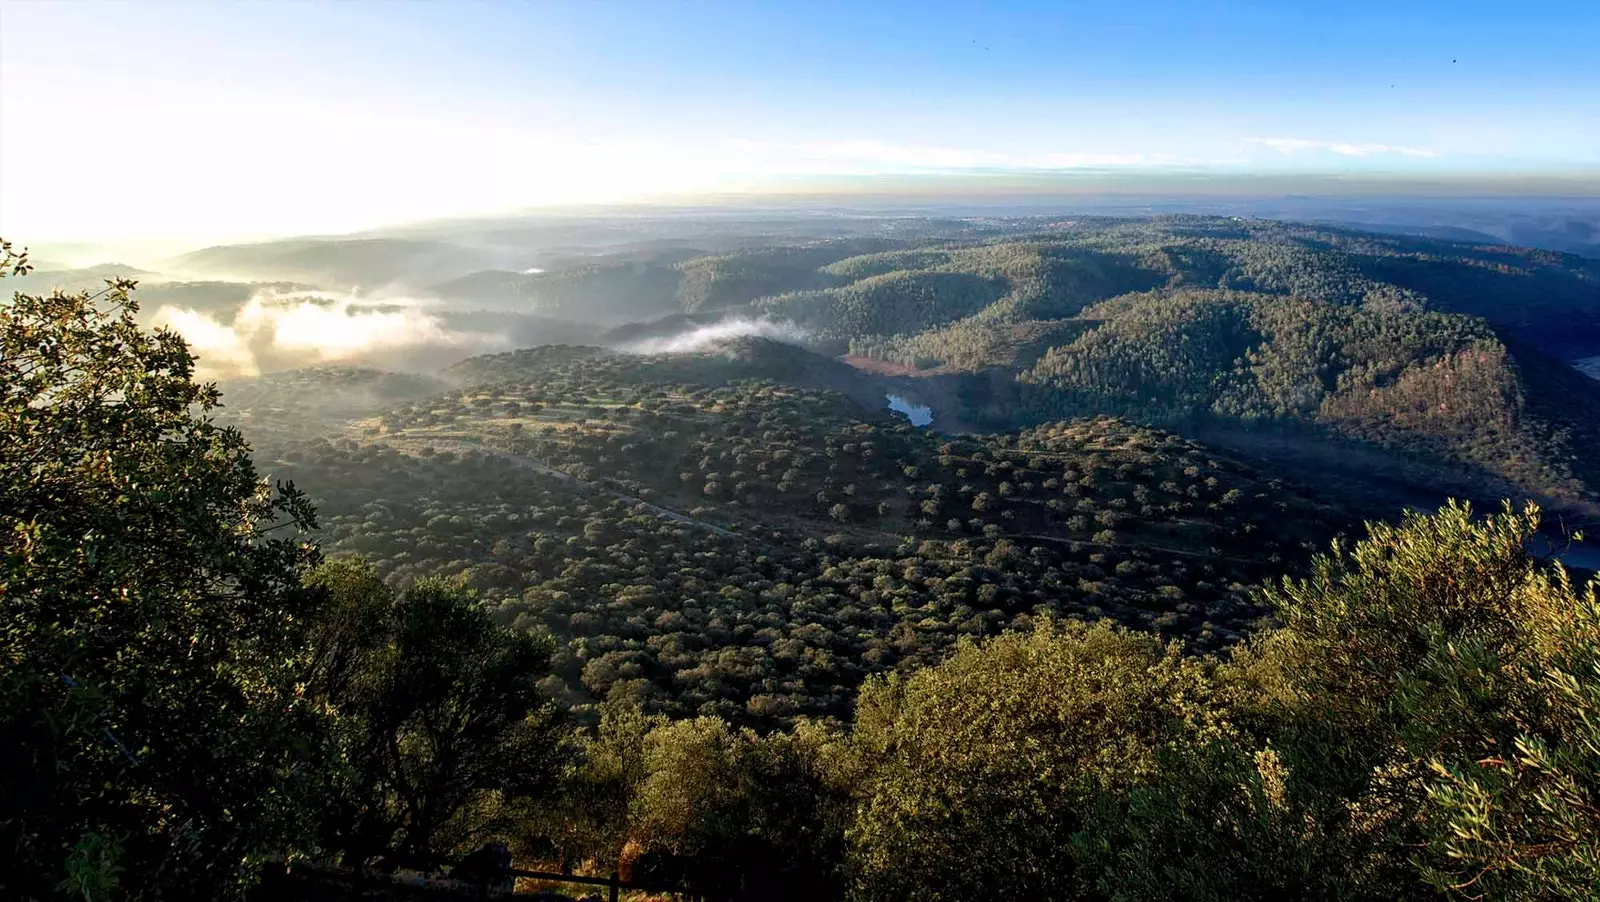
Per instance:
(888,304)
(974,343)
(1445,685)
(1423,724)
(699,802)
(630,288)
(1434,350)
(1422,718)
(867,265)
(982,769)
(813,546)
(1417,382)
(1435,355)
(1214,821)
(434,707)
(151,618)
(889,299)
(332,390)
(728,809)
(726,280)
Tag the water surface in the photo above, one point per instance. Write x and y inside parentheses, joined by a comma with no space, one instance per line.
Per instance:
(918,414)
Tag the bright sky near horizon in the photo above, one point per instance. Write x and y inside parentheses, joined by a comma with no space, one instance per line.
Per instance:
(255,119)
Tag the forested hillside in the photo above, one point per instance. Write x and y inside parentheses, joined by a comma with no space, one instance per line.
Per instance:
(1425,385)
(1447,367)
(733,495)
(629,288)
(1439,353)
(338,263)
(707,537)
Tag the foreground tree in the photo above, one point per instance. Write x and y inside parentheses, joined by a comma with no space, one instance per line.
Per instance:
(151,617)
(1425,723)
(1436,690)
(701,803)
(442,727)
(980,771)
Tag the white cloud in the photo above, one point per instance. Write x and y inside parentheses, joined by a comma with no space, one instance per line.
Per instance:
(872,156)
(1343,148)
(275,332)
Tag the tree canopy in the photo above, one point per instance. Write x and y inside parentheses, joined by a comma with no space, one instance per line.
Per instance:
(151,615)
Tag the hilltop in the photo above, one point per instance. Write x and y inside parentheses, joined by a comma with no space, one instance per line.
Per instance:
(334,262)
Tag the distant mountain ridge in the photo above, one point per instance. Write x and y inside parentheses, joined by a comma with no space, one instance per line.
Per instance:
(337,262)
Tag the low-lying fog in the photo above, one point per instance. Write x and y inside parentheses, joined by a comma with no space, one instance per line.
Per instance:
(699,337)
(281,330)
(273,332)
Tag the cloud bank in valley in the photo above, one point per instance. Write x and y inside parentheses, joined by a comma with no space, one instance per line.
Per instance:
(275,331)
(702,337)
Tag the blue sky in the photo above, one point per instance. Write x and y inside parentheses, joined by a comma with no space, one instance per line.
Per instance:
(268,118)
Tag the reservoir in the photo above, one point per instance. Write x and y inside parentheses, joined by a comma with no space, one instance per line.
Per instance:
(918,414)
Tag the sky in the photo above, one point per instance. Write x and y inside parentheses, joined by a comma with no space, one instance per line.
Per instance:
(251,119)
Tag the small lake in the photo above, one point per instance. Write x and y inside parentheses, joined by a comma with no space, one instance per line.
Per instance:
(918,414)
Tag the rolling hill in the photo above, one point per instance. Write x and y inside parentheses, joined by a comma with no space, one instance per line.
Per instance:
(1441,365)
(704,534)
(1448,358)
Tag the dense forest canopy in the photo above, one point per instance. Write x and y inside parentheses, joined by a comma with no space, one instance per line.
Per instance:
(717,617)
(1432,354)
(717,544)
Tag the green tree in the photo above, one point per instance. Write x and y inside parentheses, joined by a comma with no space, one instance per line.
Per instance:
(438,711)
(594,817)
(1438,690)
(979,771)
(746,816)
(151,619)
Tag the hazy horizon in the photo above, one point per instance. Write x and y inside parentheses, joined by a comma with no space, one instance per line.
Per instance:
(1319,198)
(192,124)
